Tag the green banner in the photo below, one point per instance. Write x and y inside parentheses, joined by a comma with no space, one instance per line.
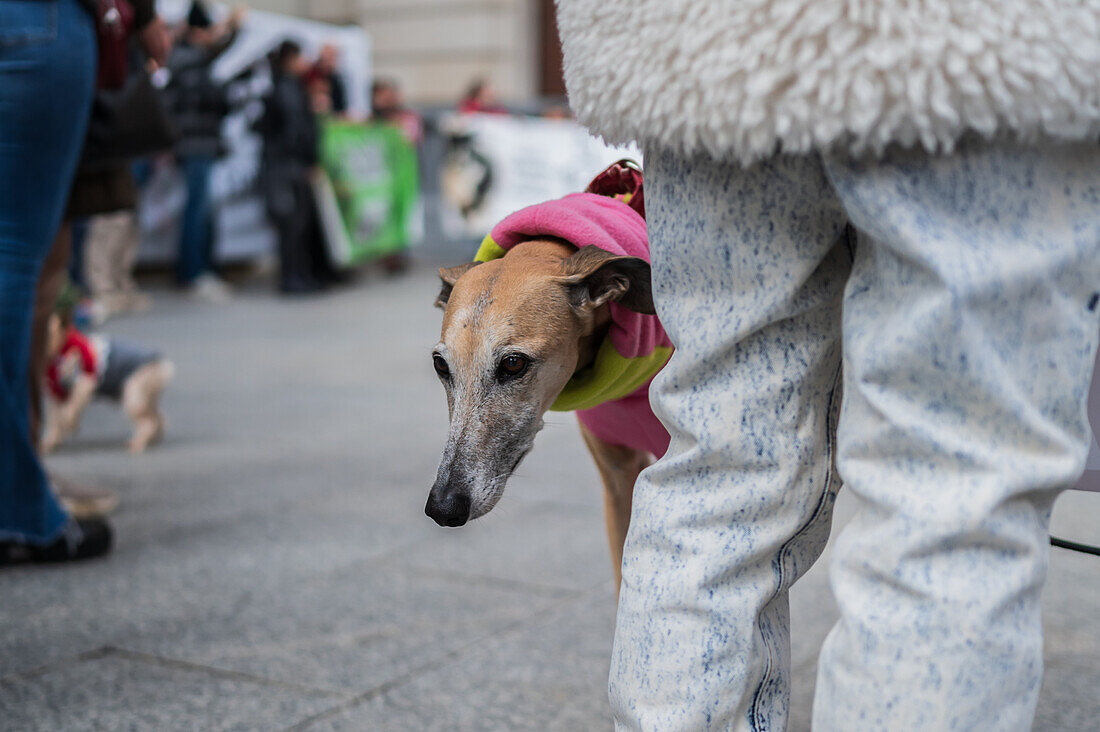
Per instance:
(370,192)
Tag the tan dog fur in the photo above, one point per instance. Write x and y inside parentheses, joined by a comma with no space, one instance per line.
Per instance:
(545,303)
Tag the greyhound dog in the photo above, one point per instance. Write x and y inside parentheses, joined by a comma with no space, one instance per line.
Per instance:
(527,329)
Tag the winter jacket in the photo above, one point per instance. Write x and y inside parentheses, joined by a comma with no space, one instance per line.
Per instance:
(196,102)
(751,78)
(612,395)
(288,125)
(289,130)
(102,190)
(105,188)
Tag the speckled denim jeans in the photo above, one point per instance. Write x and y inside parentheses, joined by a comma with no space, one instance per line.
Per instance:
(960,293)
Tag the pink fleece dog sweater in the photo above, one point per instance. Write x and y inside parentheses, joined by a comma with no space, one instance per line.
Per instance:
(611,397)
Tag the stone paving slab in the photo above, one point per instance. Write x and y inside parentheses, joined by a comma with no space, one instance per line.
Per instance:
(191,574)
(522,692)
(352,630)
(538,543)
(117,691)
(1069,700)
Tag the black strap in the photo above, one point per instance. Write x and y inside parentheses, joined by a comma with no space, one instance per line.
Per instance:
(1074,546)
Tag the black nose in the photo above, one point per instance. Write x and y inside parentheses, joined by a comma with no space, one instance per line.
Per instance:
(448,508)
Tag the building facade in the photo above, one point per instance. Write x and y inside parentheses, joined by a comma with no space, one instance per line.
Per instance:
(435,48)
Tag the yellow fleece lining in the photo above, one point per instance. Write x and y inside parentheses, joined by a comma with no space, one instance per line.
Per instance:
(489,250)
(611,376)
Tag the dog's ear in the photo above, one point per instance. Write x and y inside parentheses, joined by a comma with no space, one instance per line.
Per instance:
(594,277)
(449,276)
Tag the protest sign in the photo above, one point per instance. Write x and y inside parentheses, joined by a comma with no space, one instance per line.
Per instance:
(496,164)
(371,173)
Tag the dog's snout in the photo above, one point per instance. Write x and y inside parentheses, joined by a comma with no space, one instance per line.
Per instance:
(448,507)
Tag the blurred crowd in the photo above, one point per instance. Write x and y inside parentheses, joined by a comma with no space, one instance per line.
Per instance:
(141,96)
(128,93)
(100,226)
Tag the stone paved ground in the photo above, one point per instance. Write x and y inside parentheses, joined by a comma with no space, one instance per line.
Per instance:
(274,569)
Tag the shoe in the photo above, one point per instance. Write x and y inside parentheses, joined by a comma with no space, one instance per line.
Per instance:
(137,302)
(81,539)
(209,287)
(83,501)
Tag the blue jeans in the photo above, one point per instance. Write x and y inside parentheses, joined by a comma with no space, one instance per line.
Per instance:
(954,299)
(47,76)
(197,227)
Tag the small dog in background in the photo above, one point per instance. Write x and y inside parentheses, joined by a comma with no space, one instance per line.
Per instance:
(81,367)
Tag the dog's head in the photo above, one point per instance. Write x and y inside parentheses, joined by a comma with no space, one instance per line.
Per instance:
(514,331)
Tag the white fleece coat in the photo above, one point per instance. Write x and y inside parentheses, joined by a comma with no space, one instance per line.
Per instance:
(750,78)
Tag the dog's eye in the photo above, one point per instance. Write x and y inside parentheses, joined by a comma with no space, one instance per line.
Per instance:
(513,365)
(441,366)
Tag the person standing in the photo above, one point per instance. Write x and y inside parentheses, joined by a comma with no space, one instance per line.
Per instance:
(387,106)
(480,98)
(325,74)
(909,189)
(289,131)
(47,76)
(96,189)
(198,104)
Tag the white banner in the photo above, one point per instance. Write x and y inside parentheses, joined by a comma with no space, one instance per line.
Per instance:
(496,164)
(241,229)
(261,32)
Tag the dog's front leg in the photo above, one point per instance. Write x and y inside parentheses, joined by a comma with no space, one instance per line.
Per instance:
(619,467)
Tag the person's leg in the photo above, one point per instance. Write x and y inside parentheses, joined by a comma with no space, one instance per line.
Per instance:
(748,270)
(46,46)
(970,325)
(195,229)
(141,402)
(132,298)
(126,253)
(112,240)
(295,274)
(209,253)
(80,500)
(289,280)
(322,269)
(50,281)
(101,252)
(79,231)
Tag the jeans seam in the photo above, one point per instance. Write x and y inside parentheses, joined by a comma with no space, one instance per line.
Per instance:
(831,420)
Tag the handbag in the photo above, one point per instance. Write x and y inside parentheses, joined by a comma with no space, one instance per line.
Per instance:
(127,123)
(114,22)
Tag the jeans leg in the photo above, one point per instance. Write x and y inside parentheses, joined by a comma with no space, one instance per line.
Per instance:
(970,326)
(196,229)
(47,68)
(748,271)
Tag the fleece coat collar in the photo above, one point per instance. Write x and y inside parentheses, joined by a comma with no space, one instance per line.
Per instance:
(613,392)
(751,78)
